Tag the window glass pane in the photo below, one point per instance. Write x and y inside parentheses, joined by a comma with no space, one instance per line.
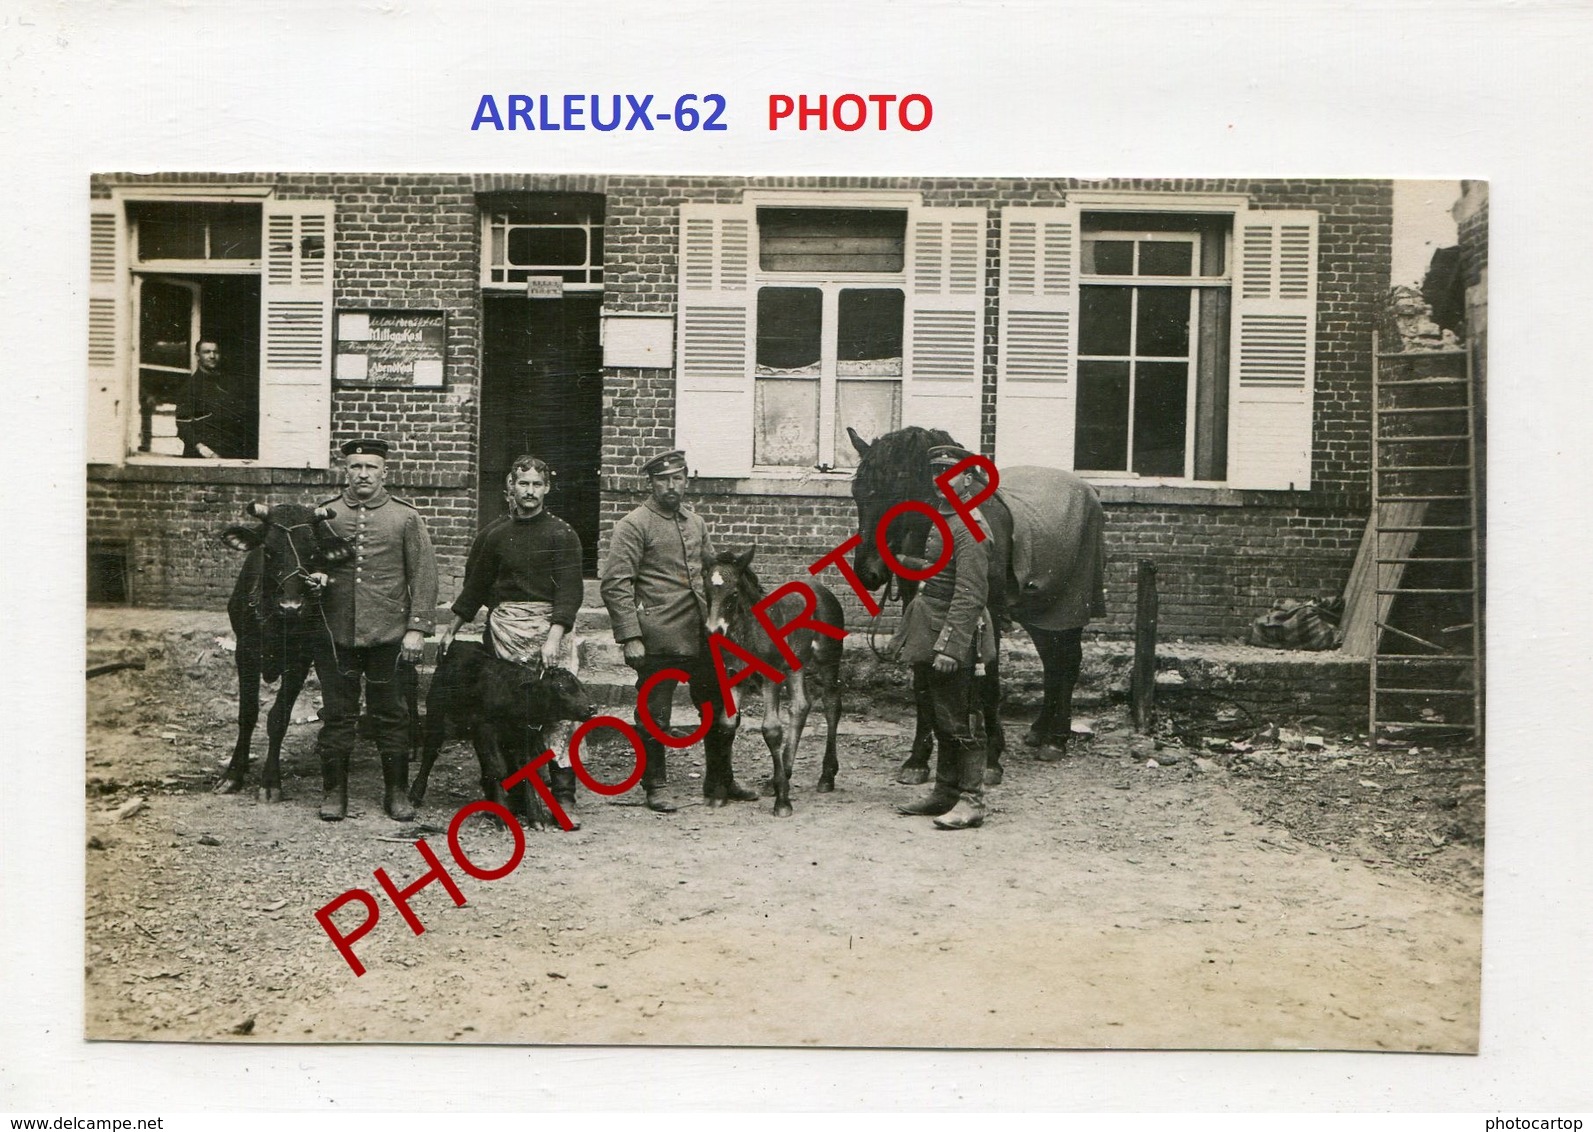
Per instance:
(786,424)
(1108,257)
(831,239)
(873,408)
(235,232)
(1163,327)
(165,323)
(869,333)
(1160,410)
(789,329)
(1104,320)
(1101,427)
(538,247)
(170,234)
(1165,257)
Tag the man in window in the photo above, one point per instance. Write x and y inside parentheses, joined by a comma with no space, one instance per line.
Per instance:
(210,414)
(945,632)
(655,587)
(526,568)
(379,605)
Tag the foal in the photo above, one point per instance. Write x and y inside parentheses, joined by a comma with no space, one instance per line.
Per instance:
(733,590)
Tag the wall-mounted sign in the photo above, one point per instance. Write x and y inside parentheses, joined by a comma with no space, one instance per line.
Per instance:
(544,286)
(642,341)
(402,348)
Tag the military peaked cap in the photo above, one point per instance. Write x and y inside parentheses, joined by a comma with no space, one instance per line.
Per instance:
(664,463)
(947,455)
(366,446)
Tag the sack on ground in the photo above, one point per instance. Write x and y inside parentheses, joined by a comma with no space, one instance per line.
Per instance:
(1311,625)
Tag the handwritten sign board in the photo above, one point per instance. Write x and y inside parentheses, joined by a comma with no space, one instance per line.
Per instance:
(398,348)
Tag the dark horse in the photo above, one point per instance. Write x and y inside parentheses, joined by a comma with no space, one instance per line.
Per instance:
(1047,560)
(276,622)
(733,590)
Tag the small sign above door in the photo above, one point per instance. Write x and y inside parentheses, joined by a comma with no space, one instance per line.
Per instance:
(544,287)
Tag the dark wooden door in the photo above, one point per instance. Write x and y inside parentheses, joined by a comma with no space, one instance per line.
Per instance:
(542,395)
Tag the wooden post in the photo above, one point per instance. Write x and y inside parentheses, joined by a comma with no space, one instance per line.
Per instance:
(1142,692)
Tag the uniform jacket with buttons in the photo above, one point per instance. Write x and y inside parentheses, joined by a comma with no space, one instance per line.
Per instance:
(948,613)
(389,586)
(655,579)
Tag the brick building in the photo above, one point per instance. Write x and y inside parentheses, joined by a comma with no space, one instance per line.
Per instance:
(1199,348)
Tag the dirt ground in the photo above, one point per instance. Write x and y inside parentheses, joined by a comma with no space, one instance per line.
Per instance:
(1140,894)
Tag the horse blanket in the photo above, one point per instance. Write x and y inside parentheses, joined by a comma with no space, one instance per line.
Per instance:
(1058,548)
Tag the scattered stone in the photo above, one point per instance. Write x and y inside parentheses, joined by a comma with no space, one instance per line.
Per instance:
(1205,766)
(206,839)
(128,809)
(95,843)
(1315,743)
(244,1028)
(275,907)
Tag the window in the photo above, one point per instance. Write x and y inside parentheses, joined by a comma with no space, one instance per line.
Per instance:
(799,327)
(1158,344)
(252,276)
(1142,344)
(542,234)
(797,320)
(196,278)
(828,354)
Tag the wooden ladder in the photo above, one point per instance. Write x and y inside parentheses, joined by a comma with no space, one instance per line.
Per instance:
(1427,658)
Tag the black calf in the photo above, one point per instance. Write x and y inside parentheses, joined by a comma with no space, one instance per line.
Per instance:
(505,707)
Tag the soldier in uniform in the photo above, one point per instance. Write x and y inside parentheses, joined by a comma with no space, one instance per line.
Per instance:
(945,633)
(211,415)
(655,587)
(380,605)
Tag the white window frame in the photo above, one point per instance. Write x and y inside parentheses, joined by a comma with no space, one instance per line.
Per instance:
(489,221)
(829,349)
(1194,282)
(830,287)
(943,283)
(1274,270)
(126,294)
(139,269)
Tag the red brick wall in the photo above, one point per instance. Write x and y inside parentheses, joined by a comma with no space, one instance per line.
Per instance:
(1220,566)
(412,241)
(401,242)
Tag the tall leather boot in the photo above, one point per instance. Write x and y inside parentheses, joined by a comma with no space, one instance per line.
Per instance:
(969,812)
(942,796)
(719,783)
(655,781)
(562,783)
(334,784)
(395,785)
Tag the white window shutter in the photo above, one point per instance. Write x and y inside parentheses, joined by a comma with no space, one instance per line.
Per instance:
(1037,368)
(1272,377)
(109,384)
(944,340)
(296,334)
(714,339)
